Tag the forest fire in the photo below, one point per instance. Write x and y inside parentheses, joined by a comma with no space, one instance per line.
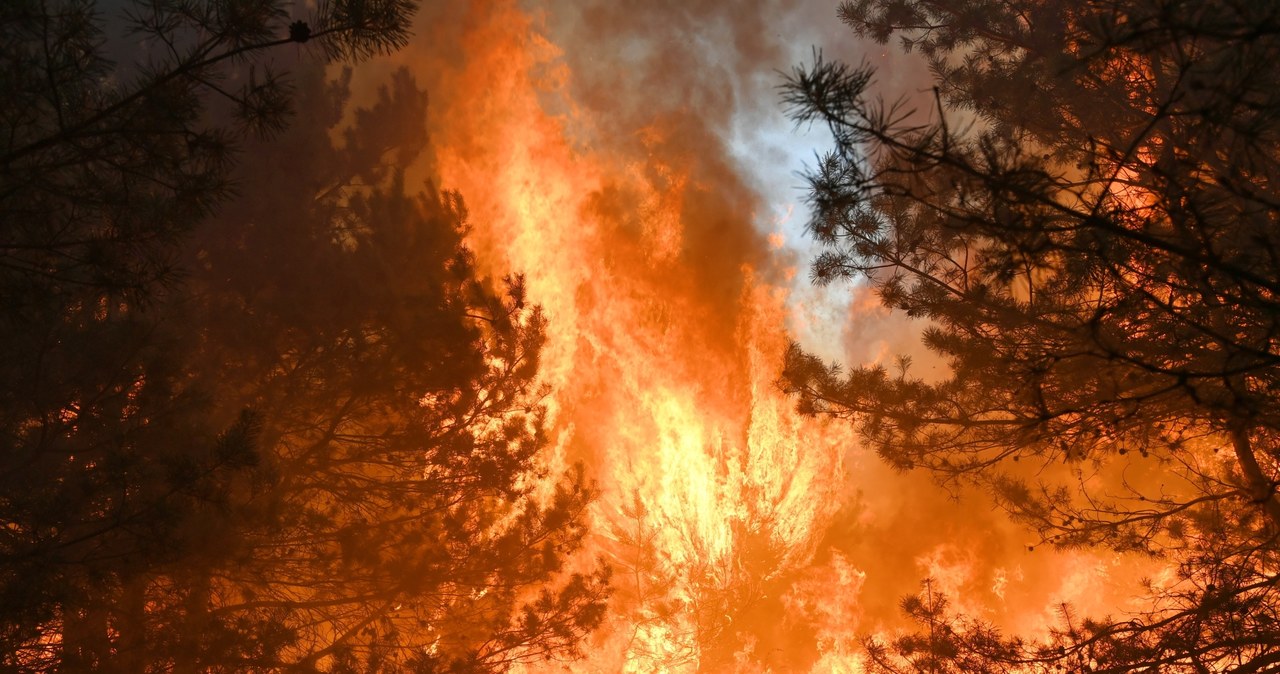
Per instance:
(712,488)
(476,337)
(669,317)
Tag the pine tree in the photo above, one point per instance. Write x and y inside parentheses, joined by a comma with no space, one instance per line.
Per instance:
(1086,218)
(117,140)
(400,412)
(258,416)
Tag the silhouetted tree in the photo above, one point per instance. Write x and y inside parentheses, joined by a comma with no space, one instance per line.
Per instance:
(399,410)
(1087,220)
(945,644)
(110,466)
(1205,638)
(103,165)
(296,432)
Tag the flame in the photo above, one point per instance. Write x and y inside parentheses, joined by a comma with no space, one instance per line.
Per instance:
(712,487)
(721,509)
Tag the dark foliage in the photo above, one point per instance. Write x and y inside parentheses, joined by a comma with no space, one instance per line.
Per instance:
(259,415)
(1087,220)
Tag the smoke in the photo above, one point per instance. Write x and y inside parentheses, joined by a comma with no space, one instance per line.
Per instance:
(632,160)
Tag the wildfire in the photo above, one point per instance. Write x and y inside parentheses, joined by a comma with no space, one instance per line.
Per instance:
(667,313)
(667,396)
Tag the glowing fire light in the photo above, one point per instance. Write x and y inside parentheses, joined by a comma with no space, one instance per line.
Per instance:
(666,335)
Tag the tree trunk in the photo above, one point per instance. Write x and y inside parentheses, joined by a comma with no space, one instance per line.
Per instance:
(1261,489)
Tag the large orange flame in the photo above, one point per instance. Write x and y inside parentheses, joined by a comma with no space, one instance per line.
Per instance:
(667,310)
(668,396)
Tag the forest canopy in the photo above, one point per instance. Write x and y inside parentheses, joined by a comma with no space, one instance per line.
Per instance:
(1086,217)
(259,415)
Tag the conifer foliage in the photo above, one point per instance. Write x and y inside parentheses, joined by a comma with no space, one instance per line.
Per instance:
(1086,218)
(259,411)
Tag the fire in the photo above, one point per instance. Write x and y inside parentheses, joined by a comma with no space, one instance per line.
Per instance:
(667,312)
(668,397)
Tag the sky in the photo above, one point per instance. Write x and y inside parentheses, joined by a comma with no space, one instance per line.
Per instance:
(634,162)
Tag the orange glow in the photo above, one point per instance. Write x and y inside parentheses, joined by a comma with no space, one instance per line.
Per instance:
(721,509)
(668,398)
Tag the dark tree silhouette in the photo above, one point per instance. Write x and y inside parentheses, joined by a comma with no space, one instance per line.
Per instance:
(106,451)
(1087,220)
(404,429)
(945,644)
(258,416)
(104,165)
